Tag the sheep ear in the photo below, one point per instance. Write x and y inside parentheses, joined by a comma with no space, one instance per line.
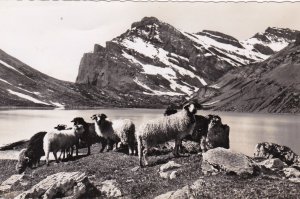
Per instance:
(186,106)
(103,116)
(94,117)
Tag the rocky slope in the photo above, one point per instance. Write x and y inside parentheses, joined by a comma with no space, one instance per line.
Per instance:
(272,86)
(154,58)
(23,86)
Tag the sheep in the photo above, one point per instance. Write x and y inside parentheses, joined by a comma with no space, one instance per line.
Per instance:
(121,131)
(58,140)
(217,134)
(166,128)
(32,154)
(90,136)
(68,151)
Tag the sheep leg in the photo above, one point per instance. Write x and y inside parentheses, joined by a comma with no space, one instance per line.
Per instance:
(176,148)
(89,150)
(203,144)
(104,144)
(47,158)
(140,152)
(55,156)
(76,149)
(145,154)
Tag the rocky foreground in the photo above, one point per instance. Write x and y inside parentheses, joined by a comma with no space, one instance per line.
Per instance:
(218,173)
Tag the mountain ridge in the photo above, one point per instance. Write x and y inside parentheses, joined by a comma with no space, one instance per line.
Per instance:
(184,61)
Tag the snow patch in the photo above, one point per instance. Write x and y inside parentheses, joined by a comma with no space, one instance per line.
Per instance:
(232,54)
(155,92)
(211,103)
(166,72)
(215,86)
(59,105)
(27,97)
(9,66)
(5,81)
(35,93)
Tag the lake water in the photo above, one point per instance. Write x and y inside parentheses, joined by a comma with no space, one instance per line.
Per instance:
(246,129)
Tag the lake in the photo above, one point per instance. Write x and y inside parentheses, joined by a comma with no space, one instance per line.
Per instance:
(246,129)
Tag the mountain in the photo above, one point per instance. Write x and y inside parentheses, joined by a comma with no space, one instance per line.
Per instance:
(153,58)
(23,86)
(271,86)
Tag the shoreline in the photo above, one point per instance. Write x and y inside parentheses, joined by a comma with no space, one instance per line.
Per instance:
(8,108)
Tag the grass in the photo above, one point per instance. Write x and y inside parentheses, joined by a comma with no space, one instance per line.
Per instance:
(146,182)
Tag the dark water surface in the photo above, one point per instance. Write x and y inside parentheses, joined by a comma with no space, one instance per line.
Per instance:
(246,129)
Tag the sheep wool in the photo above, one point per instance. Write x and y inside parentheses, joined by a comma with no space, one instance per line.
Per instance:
(119,131)
(163,129)
(55,141)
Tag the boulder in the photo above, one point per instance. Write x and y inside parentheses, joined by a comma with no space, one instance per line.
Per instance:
(221,159)
(274,163)
(272,150)
(12,181)
(109,188)
(63,184)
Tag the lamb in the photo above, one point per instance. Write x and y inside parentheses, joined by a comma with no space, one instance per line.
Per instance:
(166,128)
(122,131)
(60,140)
(32,154)
(89,136)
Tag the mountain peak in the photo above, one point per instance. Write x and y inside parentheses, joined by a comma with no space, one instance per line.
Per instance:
(146,21)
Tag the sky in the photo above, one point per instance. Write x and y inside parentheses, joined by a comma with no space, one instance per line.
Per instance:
(52,36)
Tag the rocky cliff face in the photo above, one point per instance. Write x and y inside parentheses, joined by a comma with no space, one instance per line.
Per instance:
(153,58)
(271,86)
(23,86)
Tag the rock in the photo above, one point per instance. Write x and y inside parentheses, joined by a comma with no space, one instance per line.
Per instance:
(297,42)
(12,181)
(110,189)
(173,175)
(217,134)
(63,184)
(228,161)
(187,192)
(272,150)
(171,165)
(274,163)
(164,175)
(296,180)
(167,170)
(291,172)
(191,147)
(134,169)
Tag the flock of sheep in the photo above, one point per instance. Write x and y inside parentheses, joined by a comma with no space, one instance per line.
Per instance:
(118,133)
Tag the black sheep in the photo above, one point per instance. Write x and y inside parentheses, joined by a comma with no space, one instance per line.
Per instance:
(89,136)
(31,156)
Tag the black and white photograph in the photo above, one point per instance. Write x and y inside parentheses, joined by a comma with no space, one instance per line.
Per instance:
(149,99)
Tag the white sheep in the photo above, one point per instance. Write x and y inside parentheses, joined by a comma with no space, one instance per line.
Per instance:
(120,131)
(55,140)
(166,128)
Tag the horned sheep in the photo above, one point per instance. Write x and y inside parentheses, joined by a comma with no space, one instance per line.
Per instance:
(121,132)
(32,154)
(163,129)
(55,141)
